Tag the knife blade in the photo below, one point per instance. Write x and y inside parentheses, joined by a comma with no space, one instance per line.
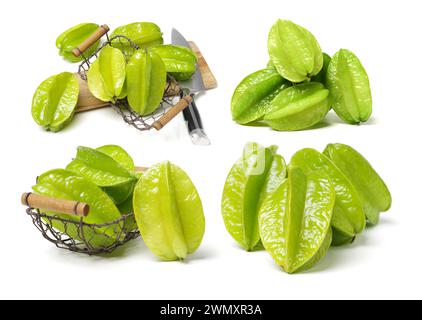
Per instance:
(194,86)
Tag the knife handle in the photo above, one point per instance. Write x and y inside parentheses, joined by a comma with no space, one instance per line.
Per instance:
(173,112)
(192,117)
(194,124)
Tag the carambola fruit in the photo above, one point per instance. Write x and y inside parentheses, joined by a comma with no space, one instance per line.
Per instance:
(372,190)
(294,51)
(298,107)
(349,87)
(54,101)
(253,96)
(73,37)
(107,74)
(251,178)
(146,81)
(169,212)
(295,220)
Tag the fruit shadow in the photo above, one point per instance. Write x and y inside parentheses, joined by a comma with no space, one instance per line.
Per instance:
(322,124)
(339,256)
(330,120)
(81,117)
(201,254)
(132,247)
(333,119)
(135,247)
(256,124)
(258,248)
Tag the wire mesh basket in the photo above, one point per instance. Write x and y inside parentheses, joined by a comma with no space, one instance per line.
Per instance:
(173,92)
(68,230)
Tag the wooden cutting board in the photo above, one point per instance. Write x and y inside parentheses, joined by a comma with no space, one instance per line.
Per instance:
(87,102)
(210,82)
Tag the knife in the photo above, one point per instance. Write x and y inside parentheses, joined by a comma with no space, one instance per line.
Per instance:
(196,85)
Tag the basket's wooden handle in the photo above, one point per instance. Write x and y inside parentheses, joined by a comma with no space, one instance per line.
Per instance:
(69,207)
(167,117)
(210,82)
(94,37)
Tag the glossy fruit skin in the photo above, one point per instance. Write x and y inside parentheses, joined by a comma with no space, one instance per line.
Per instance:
(322,75)
(54,101)
(144,34)
(108,167)
(121,194)
(119,155)
(373,191)
(348,215)
(169,212)
(146,81)
(294,51)
(298,107)
(256,174)
(254,94)
(99,167)
(182,76)
(107,74)
(295,220)
(73,37)
(63,184)
(349,86)
(180,61)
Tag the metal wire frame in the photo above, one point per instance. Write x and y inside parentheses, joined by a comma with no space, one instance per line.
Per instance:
(172,92)
(144,123)
(112,235)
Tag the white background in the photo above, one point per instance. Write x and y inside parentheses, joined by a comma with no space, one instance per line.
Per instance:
(385,262)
